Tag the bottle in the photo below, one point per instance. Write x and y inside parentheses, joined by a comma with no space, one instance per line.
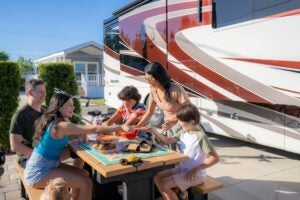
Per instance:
(98,121)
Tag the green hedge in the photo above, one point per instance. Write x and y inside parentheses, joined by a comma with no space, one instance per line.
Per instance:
(10,81)
(61,76)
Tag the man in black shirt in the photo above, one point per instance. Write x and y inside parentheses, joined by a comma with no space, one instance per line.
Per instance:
(22,123)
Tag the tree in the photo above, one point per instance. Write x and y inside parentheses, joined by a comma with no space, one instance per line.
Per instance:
(25,65)
(4,56)
(9,99)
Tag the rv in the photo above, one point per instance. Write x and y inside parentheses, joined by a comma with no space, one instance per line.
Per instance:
(239,60)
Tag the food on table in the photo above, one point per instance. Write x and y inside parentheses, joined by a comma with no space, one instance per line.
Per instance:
(132,158)
(132,147)
(106,138)
(95,146)
(104,146)
(145,148)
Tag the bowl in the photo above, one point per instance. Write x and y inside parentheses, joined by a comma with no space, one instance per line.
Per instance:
(128,135)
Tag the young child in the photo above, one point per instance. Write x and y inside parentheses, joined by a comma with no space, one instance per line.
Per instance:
(193,143)
(131,110)
(56,190)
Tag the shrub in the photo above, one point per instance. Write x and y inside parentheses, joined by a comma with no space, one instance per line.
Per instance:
(9,99)
(22,84)
(61,76)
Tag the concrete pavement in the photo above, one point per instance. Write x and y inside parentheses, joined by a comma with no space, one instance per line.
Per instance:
(9,184)
(254,172)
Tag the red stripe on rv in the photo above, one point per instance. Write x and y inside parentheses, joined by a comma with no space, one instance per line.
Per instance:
(130,34)
(286,90)
(155,54)
(193,84)
(287,13)
(278,63)
(219,80)
(111,53)
(130,70)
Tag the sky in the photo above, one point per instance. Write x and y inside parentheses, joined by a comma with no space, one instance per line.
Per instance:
(36,28)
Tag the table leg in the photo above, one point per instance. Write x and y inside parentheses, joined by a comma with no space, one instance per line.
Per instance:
(143,189)
(197,196)
(137,185)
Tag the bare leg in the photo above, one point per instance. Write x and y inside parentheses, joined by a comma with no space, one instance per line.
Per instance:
(65,154)
(74,177)
(75,191)
(158,179)
(168,184)
(77,162)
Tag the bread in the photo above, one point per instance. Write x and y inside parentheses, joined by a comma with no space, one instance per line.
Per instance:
(132,147)
(145,148)
(101,147)
(105,146)
(95,146)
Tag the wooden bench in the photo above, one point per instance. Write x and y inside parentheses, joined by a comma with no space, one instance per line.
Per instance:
(27,192)
(200,192)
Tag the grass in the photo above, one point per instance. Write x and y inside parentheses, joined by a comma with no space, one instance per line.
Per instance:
(99,102)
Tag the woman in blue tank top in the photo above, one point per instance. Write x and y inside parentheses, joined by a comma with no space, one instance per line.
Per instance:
(51,137)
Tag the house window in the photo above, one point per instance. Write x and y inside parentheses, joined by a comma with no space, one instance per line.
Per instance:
(92,68)
(79,69)
(89,70)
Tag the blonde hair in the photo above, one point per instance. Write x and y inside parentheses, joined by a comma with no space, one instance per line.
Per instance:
(56,190)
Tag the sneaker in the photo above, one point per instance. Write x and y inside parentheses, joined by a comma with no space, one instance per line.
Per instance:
(182,195)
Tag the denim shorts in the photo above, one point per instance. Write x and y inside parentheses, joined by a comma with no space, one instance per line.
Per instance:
(37,168)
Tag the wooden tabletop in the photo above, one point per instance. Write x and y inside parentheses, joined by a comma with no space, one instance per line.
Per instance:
(118,169)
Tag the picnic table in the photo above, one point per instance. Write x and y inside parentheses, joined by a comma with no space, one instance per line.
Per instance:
(137,181)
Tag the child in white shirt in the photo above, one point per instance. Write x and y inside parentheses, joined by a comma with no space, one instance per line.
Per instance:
(193,143)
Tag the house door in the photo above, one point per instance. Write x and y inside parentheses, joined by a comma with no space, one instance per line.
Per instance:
(92,75)
(79,68)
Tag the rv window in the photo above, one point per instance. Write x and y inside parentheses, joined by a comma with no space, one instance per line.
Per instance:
(228,12)
(112,38)
(263,8)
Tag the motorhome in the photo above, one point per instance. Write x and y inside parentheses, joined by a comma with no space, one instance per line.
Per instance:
(238,60)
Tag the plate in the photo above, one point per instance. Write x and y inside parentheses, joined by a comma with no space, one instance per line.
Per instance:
(106,138)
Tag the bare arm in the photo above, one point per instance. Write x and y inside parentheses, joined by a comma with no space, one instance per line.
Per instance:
(212,159)
(17,145)
(164,139)
(68,128)
(113,119)
(132,119)
(149,112)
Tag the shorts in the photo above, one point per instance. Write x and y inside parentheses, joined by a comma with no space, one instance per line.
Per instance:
(182,183)
(37,168)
